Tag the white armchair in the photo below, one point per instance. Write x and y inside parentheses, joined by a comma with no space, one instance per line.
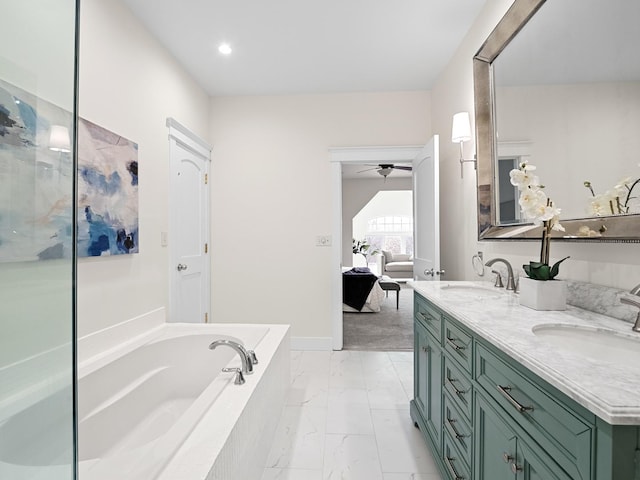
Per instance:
(396,265)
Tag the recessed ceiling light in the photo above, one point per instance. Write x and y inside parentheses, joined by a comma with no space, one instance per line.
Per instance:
(225,49)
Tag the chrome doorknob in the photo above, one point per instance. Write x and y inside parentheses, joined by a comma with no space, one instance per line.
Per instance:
(429,272)
(440,272)
(181,267)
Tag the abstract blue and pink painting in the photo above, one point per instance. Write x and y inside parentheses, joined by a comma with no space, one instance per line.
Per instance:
(107,192)
(36,182)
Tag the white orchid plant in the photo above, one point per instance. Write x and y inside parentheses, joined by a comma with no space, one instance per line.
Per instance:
(617,201)
(539,209)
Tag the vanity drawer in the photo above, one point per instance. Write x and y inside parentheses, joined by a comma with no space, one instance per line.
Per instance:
(459,386)
(561,432)
(458,428)
(428,315)
(458,344)
(454,460)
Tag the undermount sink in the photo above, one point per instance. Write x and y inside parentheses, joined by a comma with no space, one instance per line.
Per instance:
(473,290)
(597,344)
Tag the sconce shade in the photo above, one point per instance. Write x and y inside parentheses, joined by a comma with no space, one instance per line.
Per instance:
(59,139)
(461,129)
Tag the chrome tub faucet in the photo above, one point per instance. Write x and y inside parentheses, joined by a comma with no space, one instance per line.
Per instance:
(511,282)
(245,357)
(634,302)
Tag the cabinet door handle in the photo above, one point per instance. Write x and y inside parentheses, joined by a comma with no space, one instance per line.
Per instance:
(452,342)
(423,316)
(426,349)
(451,382)
(452,469)
(505,393)
(457,434)
(515,468)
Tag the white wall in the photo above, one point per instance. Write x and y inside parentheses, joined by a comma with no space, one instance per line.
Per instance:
(396,203)
(130,84)
(271,196)
(355,195)
(614,265)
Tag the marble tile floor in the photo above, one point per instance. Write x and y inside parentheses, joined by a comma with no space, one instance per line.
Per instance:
(347,417)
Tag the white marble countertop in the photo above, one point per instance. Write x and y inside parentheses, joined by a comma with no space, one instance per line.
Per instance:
(610,390)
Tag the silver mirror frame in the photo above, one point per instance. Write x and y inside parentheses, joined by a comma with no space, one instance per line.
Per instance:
(620,228)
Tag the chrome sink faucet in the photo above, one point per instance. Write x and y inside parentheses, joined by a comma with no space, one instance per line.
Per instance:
(245,357)
(634,303)
(511,283)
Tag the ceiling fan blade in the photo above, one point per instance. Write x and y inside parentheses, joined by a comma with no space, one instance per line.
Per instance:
(368,169)
(402,167)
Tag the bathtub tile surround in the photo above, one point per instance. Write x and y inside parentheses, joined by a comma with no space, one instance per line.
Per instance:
(347,416)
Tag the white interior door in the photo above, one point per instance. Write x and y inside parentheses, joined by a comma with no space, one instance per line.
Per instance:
(189,230)
(426,213)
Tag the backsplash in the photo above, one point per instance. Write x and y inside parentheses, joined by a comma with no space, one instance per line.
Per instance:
(600,299)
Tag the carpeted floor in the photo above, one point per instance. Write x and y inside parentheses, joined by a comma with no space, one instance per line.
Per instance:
(387,330)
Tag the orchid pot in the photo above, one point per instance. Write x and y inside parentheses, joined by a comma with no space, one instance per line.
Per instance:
(539,290)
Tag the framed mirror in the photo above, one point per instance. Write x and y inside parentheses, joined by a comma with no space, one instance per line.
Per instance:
(557,85)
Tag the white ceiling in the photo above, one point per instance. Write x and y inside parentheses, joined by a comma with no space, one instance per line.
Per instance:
(305,46)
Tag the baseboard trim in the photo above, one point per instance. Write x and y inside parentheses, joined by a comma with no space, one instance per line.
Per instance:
(312,343)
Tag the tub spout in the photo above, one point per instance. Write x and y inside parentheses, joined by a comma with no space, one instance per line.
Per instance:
(247,365)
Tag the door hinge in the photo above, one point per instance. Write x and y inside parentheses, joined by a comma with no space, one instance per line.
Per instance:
(206,248)
(206,178)
(206,318)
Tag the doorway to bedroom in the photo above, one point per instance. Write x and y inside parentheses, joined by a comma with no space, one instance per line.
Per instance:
(423,163)
(377,219)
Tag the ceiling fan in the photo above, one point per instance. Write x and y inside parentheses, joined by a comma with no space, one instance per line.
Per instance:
(385,169)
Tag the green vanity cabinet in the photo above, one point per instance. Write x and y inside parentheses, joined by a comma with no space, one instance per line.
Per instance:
(428,393)
(487,417)
(562,428)
(504,454)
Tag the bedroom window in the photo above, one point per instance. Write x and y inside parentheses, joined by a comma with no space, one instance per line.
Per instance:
(391,233)
(391,224)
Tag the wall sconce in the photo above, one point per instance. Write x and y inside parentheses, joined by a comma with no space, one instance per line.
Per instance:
(59,140)
(460,133)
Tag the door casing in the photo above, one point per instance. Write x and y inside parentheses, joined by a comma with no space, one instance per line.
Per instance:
(352,155)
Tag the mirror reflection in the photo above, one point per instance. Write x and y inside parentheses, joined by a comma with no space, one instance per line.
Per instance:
(567,99)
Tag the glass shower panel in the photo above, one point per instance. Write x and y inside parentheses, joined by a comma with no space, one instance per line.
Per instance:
(37,253)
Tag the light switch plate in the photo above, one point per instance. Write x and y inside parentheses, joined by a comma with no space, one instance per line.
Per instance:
(323,241)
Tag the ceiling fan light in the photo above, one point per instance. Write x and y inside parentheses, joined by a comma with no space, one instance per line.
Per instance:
(384,171)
